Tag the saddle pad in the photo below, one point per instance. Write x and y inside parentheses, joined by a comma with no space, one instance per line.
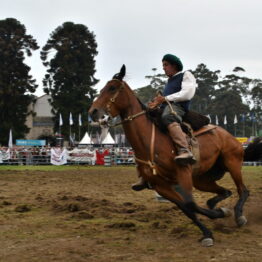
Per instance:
(195,146)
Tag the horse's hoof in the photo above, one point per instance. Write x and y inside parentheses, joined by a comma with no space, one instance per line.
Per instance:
(226,211)
(207,242)
(241,221)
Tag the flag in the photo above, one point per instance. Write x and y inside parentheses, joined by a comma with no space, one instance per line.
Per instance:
(235,119)
(252,116)
(217,120)
(117,139)
(98,138)
(225,120)
(123,138)
(60,120)
(80,120)
(104,132)
(70,119)
(10,141)
(209,118)
(72,140)
(89,119)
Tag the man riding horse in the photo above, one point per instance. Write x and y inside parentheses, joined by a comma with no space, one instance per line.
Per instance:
(178,91)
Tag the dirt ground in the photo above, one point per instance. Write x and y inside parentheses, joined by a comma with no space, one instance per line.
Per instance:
(91,214)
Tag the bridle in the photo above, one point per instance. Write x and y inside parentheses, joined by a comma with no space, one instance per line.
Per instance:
(112,100)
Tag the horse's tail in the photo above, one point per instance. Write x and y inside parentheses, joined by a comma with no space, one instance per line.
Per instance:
(254,150)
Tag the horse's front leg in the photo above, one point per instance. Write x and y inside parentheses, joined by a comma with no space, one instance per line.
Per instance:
(181,195)
(185,184)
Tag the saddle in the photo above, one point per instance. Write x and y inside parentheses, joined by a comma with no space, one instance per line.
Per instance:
(191,121)
(195,120)
(193,124)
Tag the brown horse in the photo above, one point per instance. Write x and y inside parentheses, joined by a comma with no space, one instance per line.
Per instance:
(154,151)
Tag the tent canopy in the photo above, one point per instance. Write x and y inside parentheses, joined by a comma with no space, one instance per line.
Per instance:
(108,140)
(86,140)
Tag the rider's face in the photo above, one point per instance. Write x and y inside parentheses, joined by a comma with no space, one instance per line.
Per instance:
(169,69)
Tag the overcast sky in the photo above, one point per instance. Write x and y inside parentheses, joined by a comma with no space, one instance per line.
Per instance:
(220,33)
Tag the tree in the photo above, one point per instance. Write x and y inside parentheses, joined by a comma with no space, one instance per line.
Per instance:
(16,84)
(256,95)
(146,93)
(157,83)
(227,103)
(69,57)
(207,81)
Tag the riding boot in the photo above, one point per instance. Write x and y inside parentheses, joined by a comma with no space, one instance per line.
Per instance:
(184,156)
(140,185)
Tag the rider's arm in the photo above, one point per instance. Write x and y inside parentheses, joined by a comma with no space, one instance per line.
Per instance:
(188,89)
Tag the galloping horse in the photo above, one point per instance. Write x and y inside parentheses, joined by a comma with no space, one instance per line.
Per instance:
(154,152)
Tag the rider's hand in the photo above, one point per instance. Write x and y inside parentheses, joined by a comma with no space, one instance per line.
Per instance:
(158,100)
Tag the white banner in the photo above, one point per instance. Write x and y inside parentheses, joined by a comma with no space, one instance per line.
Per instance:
(82,155)
(4,155)
(58,156)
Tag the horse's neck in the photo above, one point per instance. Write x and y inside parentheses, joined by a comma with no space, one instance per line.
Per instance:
(139,130)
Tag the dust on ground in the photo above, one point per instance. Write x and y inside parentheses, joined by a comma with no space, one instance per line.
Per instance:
(91,214)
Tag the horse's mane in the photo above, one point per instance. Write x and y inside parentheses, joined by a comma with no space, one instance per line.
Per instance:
(153,115)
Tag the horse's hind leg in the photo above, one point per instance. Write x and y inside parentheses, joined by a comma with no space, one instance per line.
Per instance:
(206,184)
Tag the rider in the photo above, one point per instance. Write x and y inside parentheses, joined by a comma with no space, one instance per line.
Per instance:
(178,91)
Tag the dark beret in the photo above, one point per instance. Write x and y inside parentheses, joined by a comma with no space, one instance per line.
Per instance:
(173,60)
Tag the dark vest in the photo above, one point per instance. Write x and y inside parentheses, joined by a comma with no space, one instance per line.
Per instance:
(173,85)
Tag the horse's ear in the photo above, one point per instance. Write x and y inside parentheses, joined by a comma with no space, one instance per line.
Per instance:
(121,74)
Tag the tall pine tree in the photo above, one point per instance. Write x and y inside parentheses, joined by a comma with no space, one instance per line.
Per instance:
(207,81)
(16,84)
(69,56)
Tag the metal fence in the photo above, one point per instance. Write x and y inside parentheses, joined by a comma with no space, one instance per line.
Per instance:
(42,156)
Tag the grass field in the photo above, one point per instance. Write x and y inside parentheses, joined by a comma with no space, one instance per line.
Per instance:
(78,213)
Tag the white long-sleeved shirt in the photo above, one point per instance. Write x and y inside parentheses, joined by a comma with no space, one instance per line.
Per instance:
(188,88)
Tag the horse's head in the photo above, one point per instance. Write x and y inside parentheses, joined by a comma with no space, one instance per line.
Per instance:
(111,98)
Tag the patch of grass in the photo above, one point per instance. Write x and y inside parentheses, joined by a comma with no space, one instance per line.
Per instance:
(252,169)
(257,170)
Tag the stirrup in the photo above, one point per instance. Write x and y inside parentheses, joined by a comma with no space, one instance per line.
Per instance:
(190,160)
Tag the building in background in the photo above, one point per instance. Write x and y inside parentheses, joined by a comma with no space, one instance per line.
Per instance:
(40,122)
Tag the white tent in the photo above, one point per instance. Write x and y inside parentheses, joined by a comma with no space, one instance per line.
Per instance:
(86,140)
(108,140)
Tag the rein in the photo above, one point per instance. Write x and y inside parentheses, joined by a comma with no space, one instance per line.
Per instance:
(112,101)
(127,119)
(150,162)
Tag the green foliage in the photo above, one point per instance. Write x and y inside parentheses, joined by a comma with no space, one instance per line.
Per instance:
(256,95)
(16,85)
(147,93)
(207,81)
(69,57)
(157,81)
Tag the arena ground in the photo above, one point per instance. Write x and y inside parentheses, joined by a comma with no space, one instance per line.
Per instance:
(75,214)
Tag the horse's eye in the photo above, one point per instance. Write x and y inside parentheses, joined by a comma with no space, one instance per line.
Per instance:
(112,88)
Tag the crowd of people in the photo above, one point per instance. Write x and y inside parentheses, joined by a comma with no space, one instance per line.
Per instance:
(46,155)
